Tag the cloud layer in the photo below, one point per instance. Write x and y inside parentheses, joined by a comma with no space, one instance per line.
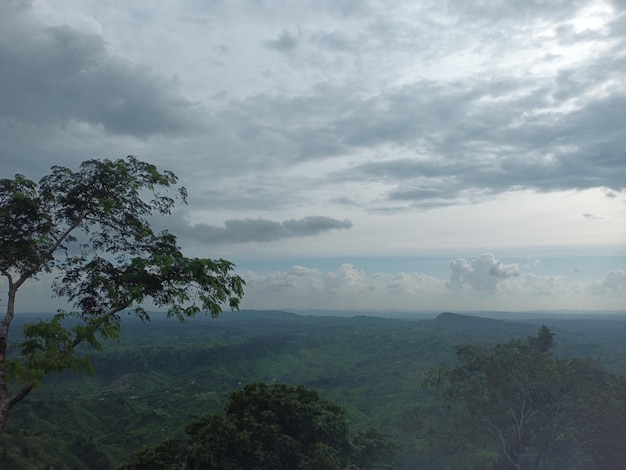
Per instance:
(263,230)
(368,128)
(482,282)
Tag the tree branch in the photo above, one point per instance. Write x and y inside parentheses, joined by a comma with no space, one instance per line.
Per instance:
(503,445)
(21,394)
(50,252)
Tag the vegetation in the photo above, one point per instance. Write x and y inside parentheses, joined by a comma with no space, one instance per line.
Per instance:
(160,375)
(502,403)
(271,427)
(513,405)
(90,229)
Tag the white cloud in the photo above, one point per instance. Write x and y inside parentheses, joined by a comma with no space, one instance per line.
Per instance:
(348,280)
(481,274)
(487,275)
(297,278)
(532,284)
(531,262)
(414,284)
(351,287)
(614,282)
(303,271)
(482,282)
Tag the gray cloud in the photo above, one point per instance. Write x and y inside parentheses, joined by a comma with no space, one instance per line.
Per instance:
(60,75)
(502,271)
(336,41)
(263,230)
(285,42)
(434,138)
(378,107)
(482,149)
(445,140)
(590,216)
(253,198)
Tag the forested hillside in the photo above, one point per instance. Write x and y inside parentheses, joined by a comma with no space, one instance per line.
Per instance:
(159,375)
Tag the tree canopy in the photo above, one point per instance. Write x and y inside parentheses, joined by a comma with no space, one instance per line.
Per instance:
(90,229)
(514,406)
(271,427)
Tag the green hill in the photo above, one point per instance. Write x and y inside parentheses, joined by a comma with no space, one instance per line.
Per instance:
(147,385)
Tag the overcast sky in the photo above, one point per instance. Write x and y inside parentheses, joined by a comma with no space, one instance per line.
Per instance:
(379,155)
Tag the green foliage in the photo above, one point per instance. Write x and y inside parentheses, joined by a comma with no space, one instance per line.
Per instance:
(518,407)
(373,450)
(87,451)
(168,455)
(544,341)
(272,427)
(91,229)
(160,374)
(49,347)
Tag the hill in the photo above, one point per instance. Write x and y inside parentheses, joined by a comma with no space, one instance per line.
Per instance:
(161,373)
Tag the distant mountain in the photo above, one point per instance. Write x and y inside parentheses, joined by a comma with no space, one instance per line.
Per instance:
(457,320)
(259,315)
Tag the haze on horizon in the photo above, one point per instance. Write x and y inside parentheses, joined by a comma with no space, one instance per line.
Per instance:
(347,155)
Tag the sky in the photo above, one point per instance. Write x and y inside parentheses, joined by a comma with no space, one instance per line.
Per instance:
(357,155)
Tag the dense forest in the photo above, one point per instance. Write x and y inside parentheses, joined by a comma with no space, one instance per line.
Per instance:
(427,385)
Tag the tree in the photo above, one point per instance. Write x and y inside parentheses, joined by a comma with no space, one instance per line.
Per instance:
(373,450)
(514,406)
(271,427)
(90,229)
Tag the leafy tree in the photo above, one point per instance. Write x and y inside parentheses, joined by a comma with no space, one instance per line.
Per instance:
(170,455)
(87,451)
(90,228)
(272,427)
(544,341)
(515,406)
(373,450)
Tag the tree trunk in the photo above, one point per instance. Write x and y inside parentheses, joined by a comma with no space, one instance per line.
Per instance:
(5,396)
(6,399)
(5,406)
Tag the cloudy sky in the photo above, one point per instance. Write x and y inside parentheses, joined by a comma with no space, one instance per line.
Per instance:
(379,155)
